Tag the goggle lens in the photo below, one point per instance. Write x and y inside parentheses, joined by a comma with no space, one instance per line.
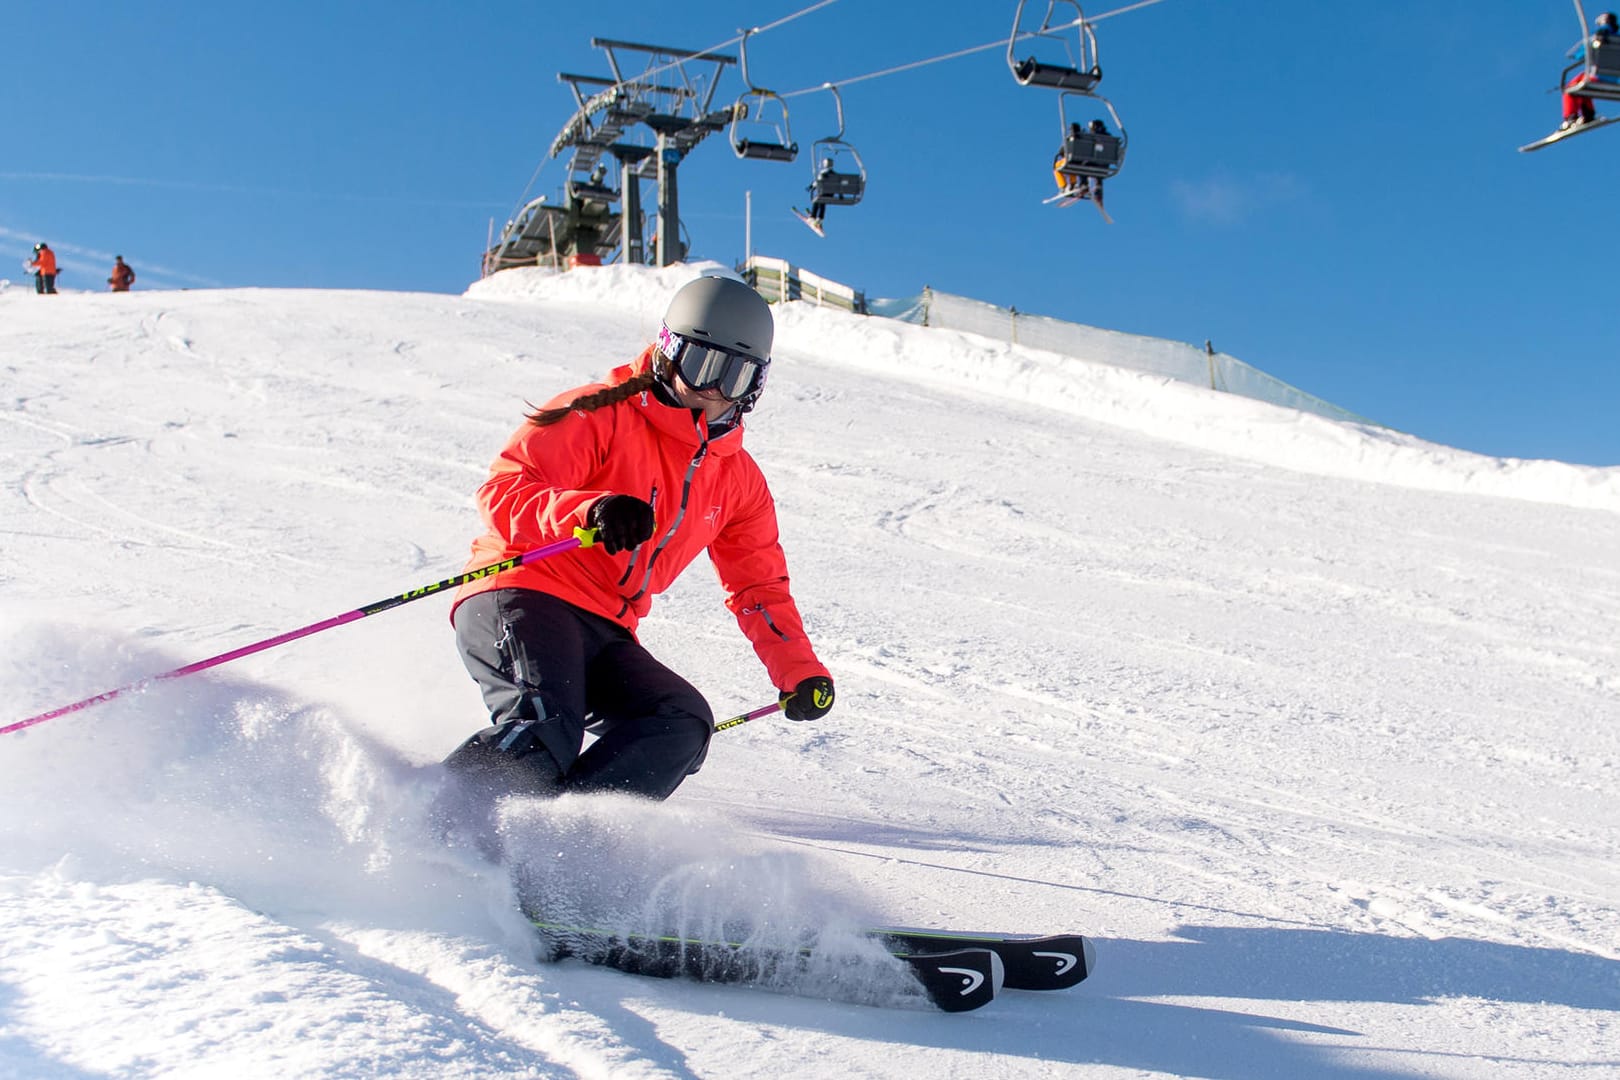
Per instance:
(710,367)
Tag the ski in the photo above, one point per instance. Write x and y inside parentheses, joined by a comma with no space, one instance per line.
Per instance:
(1564,133)
(810,220)
(954,980)
(959,981)
(1063,199)
(1052,962)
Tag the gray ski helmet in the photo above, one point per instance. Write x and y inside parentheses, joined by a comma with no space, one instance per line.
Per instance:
(724,312)
(1607,19)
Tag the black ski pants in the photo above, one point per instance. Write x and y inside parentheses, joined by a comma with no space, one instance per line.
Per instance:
(548,671)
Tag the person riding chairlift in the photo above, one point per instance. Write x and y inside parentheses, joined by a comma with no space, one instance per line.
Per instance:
(818,209)
(1079,187)
(1579,109)
(816,216)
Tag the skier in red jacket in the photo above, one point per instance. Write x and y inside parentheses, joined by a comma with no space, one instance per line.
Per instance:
(123,275)
(44,268)
(652,460)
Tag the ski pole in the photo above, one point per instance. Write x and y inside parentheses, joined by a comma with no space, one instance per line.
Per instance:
(582,538)
(764,710)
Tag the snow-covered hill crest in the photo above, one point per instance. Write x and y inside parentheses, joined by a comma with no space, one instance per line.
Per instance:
(1094,389)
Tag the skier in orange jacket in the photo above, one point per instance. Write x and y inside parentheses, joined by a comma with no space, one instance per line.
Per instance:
(44,268)
(652,460)
(123,275)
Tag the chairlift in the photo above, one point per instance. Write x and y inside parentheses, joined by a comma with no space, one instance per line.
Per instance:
(759,120)
(1087,151)
(1054,62)
(1598,67)
(839,178)
(591,186)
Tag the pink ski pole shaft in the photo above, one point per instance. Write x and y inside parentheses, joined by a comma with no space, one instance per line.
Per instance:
(581,538)
(763,710)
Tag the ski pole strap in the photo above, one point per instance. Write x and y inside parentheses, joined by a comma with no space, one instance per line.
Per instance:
(763,710)
(582,538)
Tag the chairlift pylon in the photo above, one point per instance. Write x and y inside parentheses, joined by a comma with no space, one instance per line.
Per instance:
(1051,61)
(759,121)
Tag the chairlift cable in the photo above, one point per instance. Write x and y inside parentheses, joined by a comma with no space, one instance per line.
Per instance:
(999,43)
(783,21)
(789,18)
(523,199)
(1120,11)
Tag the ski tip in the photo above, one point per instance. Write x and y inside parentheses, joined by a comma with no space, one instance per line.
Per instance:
(1567,132)
(1089,955)
(960,981)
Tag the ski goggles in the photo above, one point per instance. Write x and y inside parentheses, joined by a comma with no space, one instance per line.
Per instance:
(703,366)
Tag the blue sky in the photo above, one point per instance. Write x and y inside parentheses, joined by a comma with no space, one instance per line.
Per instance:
(1329,193)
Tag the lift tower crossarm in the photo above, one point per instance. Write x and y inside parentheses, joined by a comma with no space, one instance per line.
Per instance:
(669,99)
(678,58)
(633,87)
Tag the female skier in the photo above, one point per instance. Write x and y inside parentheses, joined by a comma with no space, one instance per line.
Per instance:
(652,460)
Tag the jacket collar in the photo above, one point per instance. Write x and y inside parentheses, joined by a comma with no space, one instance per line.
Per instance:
(672,420)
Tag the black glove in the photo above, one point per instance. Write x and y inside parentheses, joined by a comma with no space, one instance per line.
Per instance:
(811,699)
(621,522)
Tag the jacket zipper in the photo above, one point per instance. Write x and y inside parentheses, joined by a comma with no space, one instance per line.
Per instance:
(680,515)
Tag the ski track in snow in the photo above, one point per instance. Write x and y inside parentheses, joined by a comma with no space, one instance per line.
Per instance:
(1312,726)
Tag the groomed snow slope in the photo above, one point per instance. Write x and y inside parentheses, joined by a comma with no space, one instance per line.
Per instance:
(1315,727)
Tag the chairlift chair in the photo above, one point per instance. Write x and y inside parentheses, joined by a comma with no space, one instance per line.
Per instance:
(759,121)
(835,187)
(840,176)
(1079,73)
(1098,155)
(592,185)
(1601,75)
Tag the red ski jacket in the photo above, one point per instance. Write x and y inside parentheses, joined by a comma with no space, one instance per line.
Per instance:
(44,262)
(706,493)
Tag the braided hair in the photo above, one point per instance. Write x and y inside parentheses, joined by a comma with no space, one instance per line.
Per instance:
(601,399)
